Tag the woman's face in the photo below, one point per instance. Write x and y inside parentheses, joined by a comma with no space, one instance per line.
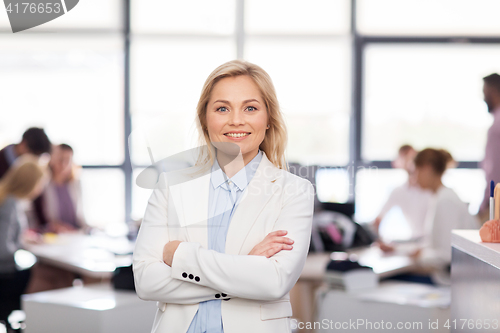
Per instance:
(425,176)
(236,106)
(61,162)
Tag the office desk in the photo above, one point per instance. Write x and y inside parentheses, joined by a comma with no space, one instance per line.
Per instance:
(96,308)
(475,289)
(395,306)
(383,264)
(93,256)
(311,279)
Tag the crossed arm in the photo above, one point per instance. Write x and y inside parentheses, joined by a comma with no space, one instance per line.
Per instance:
(250,276)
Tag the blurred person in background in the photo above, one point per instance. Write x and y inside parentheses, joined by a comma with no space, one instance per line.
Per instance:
(23,180)
(34,141)
(410,197)
(62,213)
(62,198)
(491,161)
(446,212)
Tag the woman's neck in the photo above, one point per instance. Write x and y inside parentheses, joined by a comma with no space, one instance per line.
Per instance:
(436,185)
(231,164)
(59,179)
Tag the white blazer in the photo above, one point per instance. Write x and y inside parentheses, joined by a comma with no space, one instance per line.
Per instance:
(254,289)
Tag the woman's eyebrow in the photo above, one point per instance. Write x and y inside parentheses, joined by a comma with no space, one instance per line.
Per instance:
(251,100)
(244,102)
(221,101)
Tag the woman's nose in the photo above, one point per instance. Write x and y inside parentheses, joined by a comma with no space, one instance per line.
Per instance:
(237,118)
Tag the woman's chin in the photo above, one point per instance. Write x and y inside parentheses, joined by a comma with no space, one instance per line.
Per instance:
(227,147)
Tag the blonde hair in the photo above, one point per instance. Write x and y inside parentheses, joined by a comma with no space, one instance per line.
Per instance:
(275,140)
(21,179)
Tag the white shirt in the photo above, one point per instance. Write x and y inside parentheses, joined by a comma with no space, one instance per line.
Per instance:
(446,212)
(414,202)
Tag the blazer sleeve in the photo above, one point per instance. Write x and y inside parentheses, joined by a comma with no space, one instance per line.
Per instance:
(153,278)
(252,276)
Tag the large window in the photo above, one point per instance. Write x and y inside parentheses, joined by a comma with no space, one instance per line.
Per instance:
(426,95)
(119,81)
(428,17)
(67,76)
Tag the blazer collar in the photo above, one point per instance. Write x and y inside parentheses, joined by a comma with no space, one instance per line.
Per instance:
(190,198)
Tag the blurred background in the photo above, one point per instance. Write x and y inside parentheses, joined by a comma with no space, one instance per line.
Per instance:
(356,79)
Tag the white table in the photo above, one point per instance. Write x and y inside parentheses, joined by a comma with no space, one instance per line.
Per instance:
(94,256)
(475,276)
(383,264)
(303,293)
(96,309)
(412,306)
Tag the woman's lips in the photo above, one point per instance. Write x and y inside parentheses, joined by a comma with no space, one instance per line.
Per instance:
(239,137)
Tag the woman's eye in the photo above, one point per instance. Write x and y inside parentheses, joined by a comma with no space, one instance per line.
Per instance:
(222,109)
(251,108)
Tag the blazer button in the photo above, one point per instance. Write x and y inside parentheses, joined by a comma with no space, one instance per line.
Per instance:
(223,295)
(217,295)
(191,276)
(197,278)
(184,275)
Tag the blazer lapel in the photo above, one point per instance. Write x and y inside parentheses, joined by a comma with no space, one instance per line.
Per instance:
(190,196)
(258,192)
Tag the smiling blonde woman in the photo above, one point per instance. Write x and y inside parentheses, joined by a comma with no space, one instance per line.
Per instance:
(223,242)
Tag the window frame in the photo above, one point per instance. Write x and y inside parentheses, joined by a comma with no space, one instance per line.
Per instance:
(359,43)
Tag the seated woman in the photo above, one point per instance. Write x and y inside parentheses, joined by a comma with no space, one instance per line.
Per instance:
(410,197)
(61,212)
(22,181)
(446,212)
(62,198)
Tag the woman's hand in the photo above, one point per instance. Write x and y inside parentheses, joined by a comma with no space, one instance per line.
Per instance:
(416,254)
(169,250)
(272,244)
(376,224)
(385,247)
(60,227)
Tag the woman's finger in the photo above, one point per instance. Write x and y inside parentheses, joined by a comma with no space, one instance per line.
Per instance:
(273,238)
(277,233)
(277,248)
(282,240)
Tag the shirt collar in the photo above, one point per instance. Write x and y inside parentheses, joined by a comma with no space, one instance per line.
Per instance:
(241,178)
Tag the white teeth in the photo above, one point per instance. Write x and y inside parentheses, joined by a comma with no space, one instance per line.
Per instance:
(236,135)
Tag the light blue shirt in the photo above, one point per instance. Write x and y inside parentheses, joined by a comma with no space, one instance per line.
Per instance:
(224,196)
